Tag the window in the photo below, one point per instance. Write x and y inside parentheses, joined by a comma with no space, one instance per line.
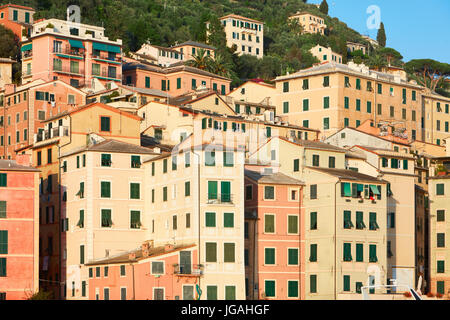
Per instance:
(313,283)
(210,219)
(135,190)
(347,252)
(228,220)
(81,219)
(373,225)
(211,252)
(230,292)
(3,241)
(286,107)
(359,252)
(331,162)
(269,256)
(2,267)
(440,240)
(135,161)
(373,253)
(313,191)
(122,271)
(3,180)
(210,158)
(229,252)
(269,193)
(440,191)
(346,283)
(292,289)
(269,223)
(135,219)
(313,220)
(348,220)
(305,84)
(369,107)
(157,267)
(105,124)
(292,256)
(440,214)
(360,220)
(105,189)
(292,224)
(313,253)
(326,102)
(228,159)
(326,123)
(249,192)
(285,86)
(82,254)
(326,81)
(2,209)
(106,160)
(440,287)
(106,218)
(305,104)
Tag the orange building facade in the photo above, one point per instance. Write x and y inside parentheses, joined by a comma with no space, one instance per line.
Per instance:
(19,207)
(16,18)
(274,241)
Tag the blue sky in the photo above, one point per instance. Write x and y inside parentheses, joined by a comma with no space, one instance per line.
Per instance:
(418,29)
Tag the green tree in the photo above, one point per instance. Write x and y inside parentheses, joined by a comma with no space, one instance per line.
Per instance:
(377,62)
(429,73)
(392,56)
(200,60)
(220,66)
(381,35)
(324,7)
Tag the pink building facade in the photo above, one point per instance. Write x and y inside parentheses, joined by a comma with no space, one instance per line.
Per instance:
(150,273)
(16,18)
(19,229)
(274,240)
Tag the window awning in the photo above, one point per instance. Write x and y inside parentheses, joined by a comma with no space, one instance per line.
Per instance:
(105,47)
(76,44)
(374,189)
(27,47)
(360,187)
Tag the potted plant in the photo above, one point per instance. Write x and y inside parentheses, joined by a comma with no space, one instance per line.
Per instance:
(430,295)
(407,294)
(440,170)
(439,295)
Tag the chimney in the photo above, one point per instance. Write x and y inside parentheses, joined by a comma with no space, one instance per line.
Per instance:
(132,256)
(168,247)
(23,159)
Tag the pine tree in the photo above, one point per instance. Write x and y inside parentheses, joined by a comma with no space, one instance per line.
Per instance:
(324,7)
(381,36)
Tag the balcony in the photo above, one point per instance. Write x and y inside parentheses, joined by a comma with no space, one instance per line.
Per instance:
(27,54)
(188,270)
(68,70)
(220,198)
(106,58)
(68,51)
(52,133)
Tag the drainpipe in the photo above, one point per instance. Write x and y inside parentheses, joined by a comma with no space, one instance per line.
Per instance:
(198,215)
(254,258)
(134,293)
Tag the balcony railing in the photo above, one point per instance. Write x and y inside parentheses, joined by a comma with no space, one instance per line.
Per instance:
(27,54)
(106,57)
(52,133)
(224,198)
(68,70)
(69,51)
(195,270)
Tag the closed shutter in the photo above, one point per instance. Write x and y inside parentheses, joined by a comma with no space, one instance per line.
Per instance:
(212,190)
(225,189)
(211,292)
(229,252)
(3,241)
(292,224)
(134,190)
(105,189)
(2,209)
(359,252)
(313,220)
(228,220)
(210,219)
(269,256)
(211,252)
(313,253)
(269,223)
(269,288)
(230,293)
(293,256)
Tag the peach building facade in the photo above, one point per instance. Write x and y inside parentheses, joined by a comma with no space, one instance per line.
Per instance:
(149,273)
(19,216)
(191,48)
(174,81)
(73,53)
(310,23)
(326,54)
(274,236)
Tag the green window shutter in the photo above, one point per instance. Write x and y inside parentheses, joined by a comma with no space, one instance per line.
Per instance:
(313,283)
(292,224)
(326,81)
(369,107)
(269,256)
(305,84)
(187,188)
(229,252)
(178,83)
(164,193)
(210,219)
(105,189)
(359,252)
(3,179)
(440,191)
(135,219)
(147,82)
(225,124)
(348,220)
(174,163)
(358,287)
(153,169)
(346,283)
(326,102)
(204,123)
(2,267)
(440,240)
(286,107)
(440,287)
(230,293)
(305,104)
(135,190)
(269,192)
(346,102)
(313,220)
(346,190)
(3,241)
(243,127)
(225,191)
(373,253)
(211,252)
(106,218)
(81,220)
(238,108)
(380,88)
(296,165)
(228,220)
(211,292)
(106,160)
(292,289)
(313,253)
(82,254)
(135,161)
(440,268)
(269,288)
(347,252)
(373,225)
(269,223)
(405,164)
(440,214)
(285,86)
(2,209)
(358,105)
(358,84)
(293,256)
(360,220)
(212,190)
(326,123)
(165,166)
(268,132)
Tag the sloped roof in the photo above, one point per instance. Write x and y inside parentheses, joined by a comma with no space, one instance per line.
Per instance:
(11,165)
(344,174)
(195,44)
(111,145)
(273,178)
